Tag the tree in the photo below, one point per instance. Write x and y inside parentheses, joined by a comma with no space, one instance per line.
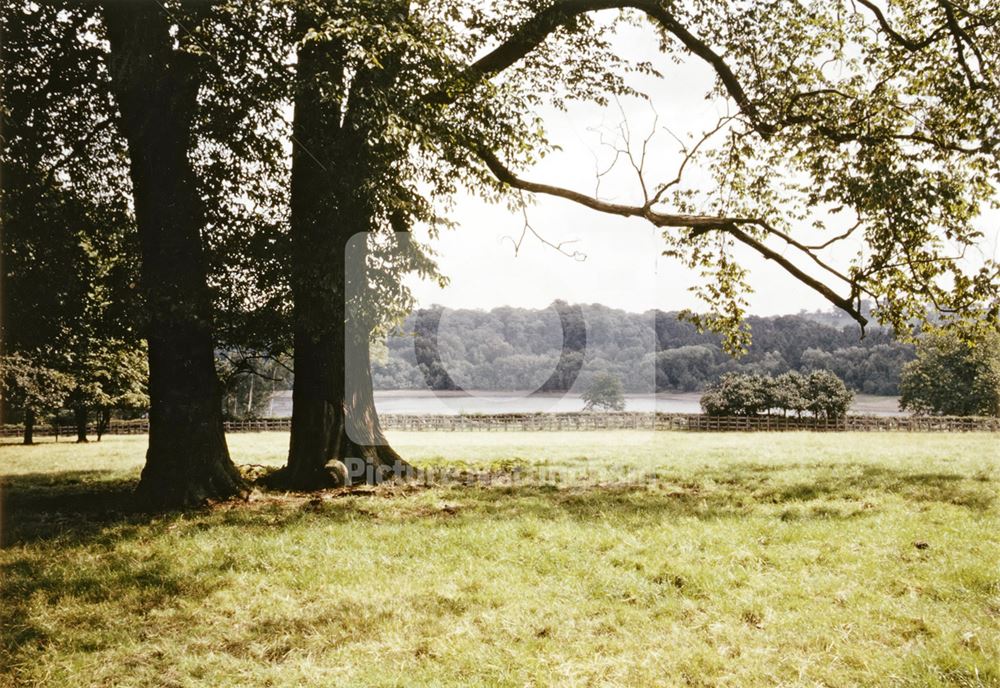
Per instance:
(345,158)
(605,392)
(827,395)
(69,243)
(155,81)
(909,166)
(249,381)
(402,112)
(32,388)
(111,377)
(741,394)
(738,394)
(881,123)
(791,393)
(953,376)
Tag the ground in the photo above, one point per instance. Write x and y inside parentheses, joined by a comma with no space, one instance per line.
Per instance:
(739,560)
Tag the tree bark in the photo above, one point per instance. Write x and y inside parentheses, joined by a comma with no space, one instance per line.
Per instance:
(80,416)
(333,418)
(29,426)
(156,87)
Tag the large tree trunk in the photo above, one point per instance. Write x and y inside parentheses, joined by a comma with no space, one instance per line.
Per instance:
(80,417)
(187,461)
(333,417)
(29,426)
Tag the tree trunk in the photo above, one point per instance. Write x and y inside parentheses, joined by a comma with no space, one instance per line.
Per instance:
(103,420)
(155,86)
(80,416)
(331,419)
(29,426)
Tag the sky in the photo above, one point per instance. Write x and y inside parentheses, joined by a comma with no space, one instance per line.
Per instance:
(623,266)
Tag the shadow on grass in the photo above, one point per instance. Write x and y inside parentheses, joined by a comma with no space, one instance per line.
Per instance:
(79,519)
(862,480)
(89,575)
(77,505)
(83,505)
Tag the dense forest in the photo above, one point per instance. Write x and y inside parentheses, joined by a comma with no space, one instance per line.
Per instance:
(565,346)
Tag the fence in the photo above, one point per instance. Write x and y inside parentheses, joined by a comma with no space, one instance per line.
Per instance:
(519,422)
(691,422)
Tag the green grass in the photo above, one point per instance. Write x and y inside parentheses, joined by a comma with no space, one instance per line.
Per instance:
(733,560)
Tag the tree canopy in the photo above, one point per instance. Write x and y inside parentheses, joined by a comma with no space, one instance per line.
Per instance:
(856,149)
(821,393)
(953,375)
(605,392)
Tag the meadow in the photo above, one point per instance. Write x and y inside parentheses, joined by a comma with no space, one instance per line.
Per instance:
(525,559)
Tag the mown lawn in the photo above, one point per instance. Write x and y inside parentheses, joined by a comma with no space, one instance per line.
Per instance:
(737,560)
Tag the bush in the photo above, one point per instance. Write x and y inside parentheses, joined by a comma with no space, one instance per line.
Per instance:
(827,395)
(738,394)
(822,393)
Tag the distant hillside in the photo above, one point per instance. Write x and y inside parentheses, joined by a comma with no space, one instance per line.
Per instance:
(564,346)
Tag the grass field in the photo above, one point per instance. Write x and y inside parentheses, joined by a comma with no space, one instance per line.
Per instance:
(732,560)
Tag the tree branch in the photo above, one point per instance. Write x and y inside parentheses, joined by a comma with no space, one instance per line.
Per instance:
(700,224)
(533,32)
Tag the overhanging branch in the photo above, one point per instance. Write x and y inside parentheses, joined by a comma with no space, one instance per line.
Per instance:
(531,33)
(700,224)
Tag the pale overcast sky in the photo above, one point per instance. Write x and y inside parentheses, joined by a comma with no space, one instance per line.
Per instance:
(623,266)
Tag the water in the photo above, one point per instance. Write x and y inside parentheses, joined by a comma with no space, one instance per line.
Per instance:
(420,402)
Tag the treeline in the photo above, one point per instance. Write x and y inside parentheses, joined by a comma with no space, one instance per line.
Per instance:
(567,346)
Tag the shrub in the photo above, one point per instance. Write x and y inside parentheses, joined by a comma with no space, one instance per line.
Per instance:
(822,393)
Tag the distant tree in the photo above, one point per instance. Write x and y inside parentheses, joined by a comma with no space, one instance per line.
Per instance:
(32,388)
(791,393)
(953,376)
(738,394)
(673,354)
(827,395)
(118,381)
(605,392)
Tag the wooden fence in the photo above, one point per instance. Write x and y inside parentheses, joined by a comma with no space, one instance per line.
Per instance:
(515,422)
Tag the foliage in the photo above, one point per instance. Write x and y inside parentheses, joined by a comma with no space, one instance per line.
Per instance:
(249,381)
(953,376)
(605,392)
(738,394)
(111,377)
(30,386)
(69,243)
(827,395)
(791,393)
(875,135)
(821,393)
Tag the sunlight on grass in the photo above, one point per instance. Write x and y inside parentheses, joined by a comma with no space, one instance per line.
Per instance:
(741,560)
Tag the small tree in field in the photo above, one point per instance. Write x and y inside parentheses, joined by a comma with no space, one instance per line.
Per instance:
(791,392)
(33,388)
(953,376)
(605,392)
(827,394)
(738,394)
